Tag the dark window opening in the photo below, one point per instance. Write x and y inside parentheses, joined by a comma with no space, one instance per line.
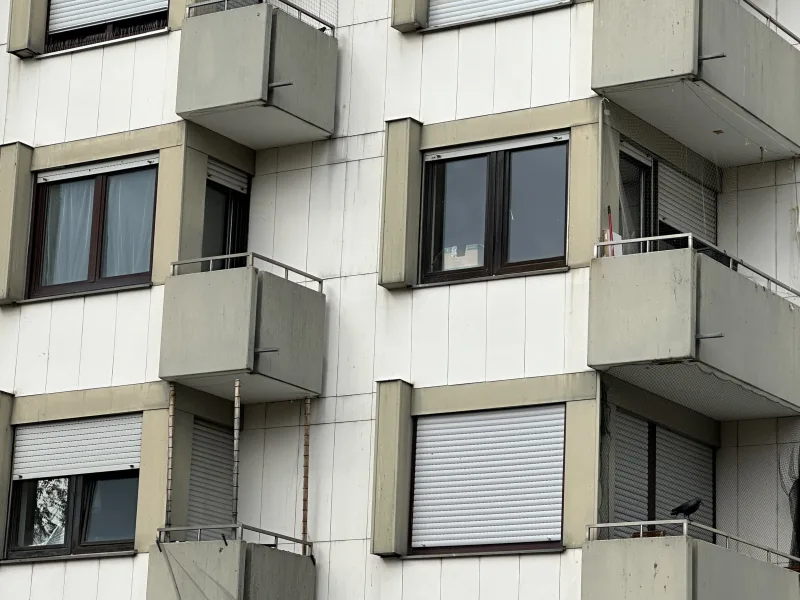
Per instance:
(93,233)
(225,225)
(495,213)
(105,32)
(73,515)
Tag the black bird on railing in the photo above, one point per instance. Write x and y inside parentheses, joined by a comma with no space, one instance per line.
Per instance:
(687,509)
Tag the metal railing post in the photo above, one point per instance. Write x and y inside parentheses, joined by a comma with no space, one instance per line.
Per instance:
(237,407)
(170,435)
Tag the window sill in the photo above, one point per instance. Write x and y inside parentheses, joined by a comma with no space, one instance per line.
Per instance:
(122,40)
(518,552)
(88,555)
(492,278)
(111,290)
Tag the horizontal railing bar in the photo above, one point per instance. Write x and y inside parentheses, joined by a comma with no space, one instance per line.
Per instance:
(707,245)
(271,534)
(771,19)
(249,255)
(689,524)
(288,3)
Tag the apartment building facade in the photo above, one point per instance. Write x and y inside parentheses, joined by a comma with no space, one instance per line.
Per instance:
(359,276)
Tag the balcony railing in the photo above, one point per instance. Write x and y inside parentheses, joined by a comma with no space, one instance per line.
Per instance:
(685,528)
(234,531)
(771,20)
(655,243)
(321,16)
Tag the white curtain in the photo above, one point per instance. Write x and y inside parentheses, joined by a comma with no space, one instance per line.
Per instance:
(128,231)
(68,228)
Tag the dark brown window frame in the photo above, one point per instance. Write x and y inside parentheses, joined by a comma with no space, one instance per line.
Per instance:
(552,546)
(76,520)
(496,233)
(94,281)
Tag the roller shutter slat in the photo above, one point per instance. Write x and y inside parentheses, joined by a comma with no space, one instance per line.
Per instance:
(686,205)
(211,476)
(74,447)
(226,175)
(492,477)
(630,471)
(450,12)
(74,14)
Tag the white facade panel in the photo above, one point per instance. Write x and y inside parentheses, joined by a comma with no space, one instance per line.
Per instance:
(73,447)
(490,477)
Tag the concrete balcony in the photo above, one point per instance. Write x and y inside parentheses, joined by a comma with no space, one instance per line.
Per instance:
(257,74)
(704,334)
(247,324)
(230,568)
(681,567)
(726,85)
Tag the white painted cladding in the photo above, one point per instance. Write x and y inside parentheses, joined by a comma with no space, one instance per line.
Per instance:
(452,12)
(74,447)
(73,14)
(228,176)
(211,475)
(489,477)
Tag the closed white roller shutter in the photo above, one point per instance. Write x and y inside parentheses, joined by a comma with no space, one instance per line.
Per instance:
(211,475)
(73,447)
(228,176)
(451,12)
(684,471)
(630,435)
(74,14)
(686,205)
(493,477)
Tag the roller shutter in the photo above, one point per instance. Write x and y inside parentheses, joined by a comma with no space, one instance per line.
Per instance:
(74,14)
(493,477)
(211,475)
(73,447)
(684,471)
(451,12)
(686,205)
(228,176)
(630,492)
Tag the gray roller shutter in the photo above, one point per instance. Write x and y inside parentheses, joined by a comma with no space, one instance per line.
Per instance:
(630,470)
(451,12)
(684,471)
(74,14)
(493,477)
(686,205)
(211,475)
(73,447)
(228,176)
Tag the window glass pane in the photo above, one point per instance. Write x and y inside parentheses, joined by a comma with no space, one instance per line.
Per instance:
(462,207)
(537,203)
(128,228)
(111,509)
(42,512)
(67,232)
(215,223)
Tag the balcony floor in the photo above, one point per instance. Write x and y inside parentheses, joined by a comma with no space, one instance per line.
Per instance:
(255,388)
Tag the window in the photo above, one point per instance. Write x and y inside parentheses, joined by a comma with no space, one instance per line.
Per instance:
(488,480)
(72,24)
(444,13)
(93,229)
(495,210)
(75,487)
(226,215)
(656,470)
